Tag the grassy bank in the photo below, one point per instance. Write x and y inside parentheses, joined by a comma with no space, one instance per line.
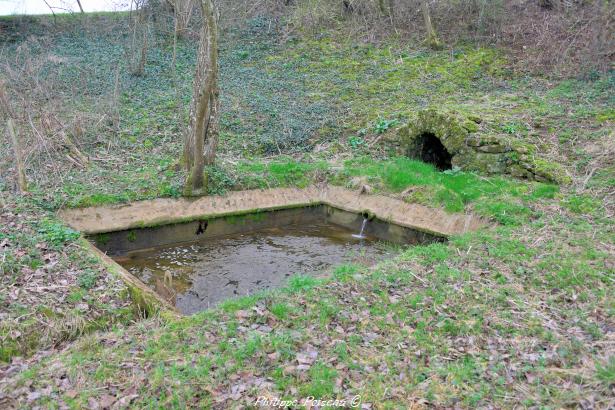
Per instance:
(316,100)
(53,290)
(516,314)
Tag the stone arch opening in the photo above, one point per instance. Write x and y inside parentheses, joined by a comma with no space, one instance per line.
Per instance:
(434,152)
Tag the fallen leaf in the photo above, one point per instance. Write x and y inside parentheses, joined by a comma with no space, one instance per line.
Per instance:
(33,396)
(308,357)
(106,401)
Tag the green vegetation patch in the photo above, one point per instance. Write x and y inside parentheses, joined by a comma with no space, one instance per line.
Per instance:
(53,290)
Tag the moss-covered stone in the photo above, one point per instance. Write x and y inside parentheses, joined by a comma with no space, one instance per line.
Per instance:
(446,126)
(493,149)
(548,171)
(485,139)
(483,163)
(474,150)
(475,118)
(522,147)
(518,171)
(470,126)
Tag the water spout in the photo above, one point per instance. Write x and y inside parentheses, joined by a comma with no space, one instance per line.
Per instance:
(360,235)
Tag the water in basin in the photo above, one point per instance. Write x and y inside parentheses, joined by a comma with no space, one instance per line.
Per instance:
(200,274)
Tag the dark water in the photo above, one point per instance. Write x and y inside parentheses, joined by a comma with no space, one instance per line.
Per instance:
(196,276)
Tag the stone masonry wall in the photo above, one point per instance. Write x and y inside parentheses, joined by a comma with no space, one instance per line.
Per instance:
(475,150)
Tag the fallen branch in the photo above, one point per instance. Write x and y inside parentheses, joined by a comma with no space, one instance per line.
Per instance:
(72,147)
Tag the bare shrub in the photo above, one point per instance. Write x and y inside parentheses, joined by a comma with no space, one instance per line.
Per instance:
(140,33)
(182,12)
(234,13)
(560,36)
(55,134)
(569,37)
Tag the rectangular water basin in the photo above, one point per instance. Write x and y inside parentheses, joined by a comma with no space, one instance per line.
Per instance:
(195,265)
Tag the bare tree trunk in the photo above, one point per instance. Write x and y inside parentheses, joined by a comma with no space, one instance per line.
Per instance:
(22,182)
(432,38)
(391,15)
(182,9)
(80,7)
(137,54)
(7,111)
(143,60)
(202,138)
(51,9)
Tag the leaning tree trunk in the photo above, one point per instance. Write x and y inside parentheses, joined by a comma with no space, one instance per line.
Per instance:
(202,137)
(432,38)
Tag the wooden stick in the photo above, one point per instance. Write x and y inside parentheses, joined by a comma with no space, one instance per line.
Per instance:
(82,159)
(21,173)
